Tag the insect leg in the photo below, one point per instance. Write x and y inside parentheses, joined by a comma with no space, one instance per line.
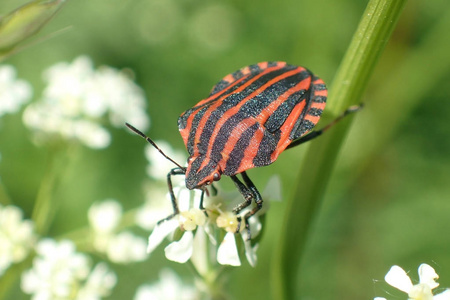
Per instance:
(316,133)
(208,193)
(176,211)
(250,193)
(248,197)
(202,196)
(258,202)
(246,193)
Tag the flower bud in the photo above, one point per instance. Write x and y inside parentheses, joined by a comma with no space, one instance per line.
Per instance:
(24,22)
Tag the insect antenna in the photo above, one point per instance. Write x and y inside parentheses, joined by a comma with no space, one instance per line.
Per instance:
(154,145)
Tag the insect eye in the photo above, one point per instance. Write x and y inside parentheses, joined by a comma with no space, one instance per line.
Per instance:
(216,176)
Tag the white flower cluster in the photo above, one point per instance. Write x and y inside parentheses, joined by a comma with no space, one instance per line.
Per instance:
(124,247)
(59,272)
(158,202)
(198,232)
(169,287)
(76,99)
(398,278)
(13,92)
(16,237)
(158,166)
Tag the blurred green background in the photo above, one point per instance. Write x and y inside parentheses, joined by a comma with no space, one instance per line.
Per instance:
(388,202)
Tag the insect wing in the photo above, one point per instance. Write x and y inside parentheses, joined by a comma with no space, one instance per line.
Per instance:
(252,115)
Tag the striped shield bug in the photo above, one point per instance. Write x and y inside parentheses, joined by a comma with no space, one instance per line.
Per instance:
(249,118)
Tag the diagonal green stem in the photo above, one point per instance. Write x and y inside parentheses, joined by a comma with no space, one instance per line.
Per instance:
(369,41)
(45,206)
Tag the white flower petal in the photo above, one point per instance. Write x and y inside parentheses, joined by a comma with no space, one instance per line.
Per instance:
(99,283)
(184,197)
(198,258)
(420,291)
(56,272)
(92,134)
(181,250)
(156,206)
(428,276)
(159,166)
(379,298)
(169,287)
(126,247)
(227,254)
(159,233)
(13,92)
(445,295)
(76,99)
(255,226)
(250,252)
(146,292)
(105,216)
(16,236)
(398,278)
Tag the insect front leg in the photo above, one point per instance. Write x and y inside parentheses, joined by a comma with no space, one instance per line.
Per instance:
(250,193)
(176,211)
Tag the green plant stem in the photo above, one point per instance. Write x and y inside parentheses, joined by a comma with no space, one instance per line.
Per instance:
(45,207)
(369,40)
(407,84)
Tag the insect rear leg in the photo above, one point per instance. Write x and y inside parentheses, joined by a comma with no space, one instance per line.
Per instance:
(250,193)
(176,211)
(258,202)
(316,133)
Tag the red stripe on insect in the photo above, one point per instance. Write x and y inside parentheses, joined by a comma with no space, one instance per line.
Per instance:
(286,128)
(236,108)
(251,151)
(268,111)
(185,132)
(225,116)
(236,134)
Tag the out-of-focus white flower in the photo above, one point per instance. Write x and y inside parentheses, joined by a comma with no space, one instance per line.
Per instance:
(398,278)
(169,287)
(16,236)
(158,203)
(105,216)
(125,247)
(78,97)
(156,206)
(13,92)
(159,166)
(99,283)
(59,272)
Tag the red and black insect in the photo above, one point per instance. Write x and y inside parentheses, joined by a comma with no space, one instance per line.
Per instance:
(249,118)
